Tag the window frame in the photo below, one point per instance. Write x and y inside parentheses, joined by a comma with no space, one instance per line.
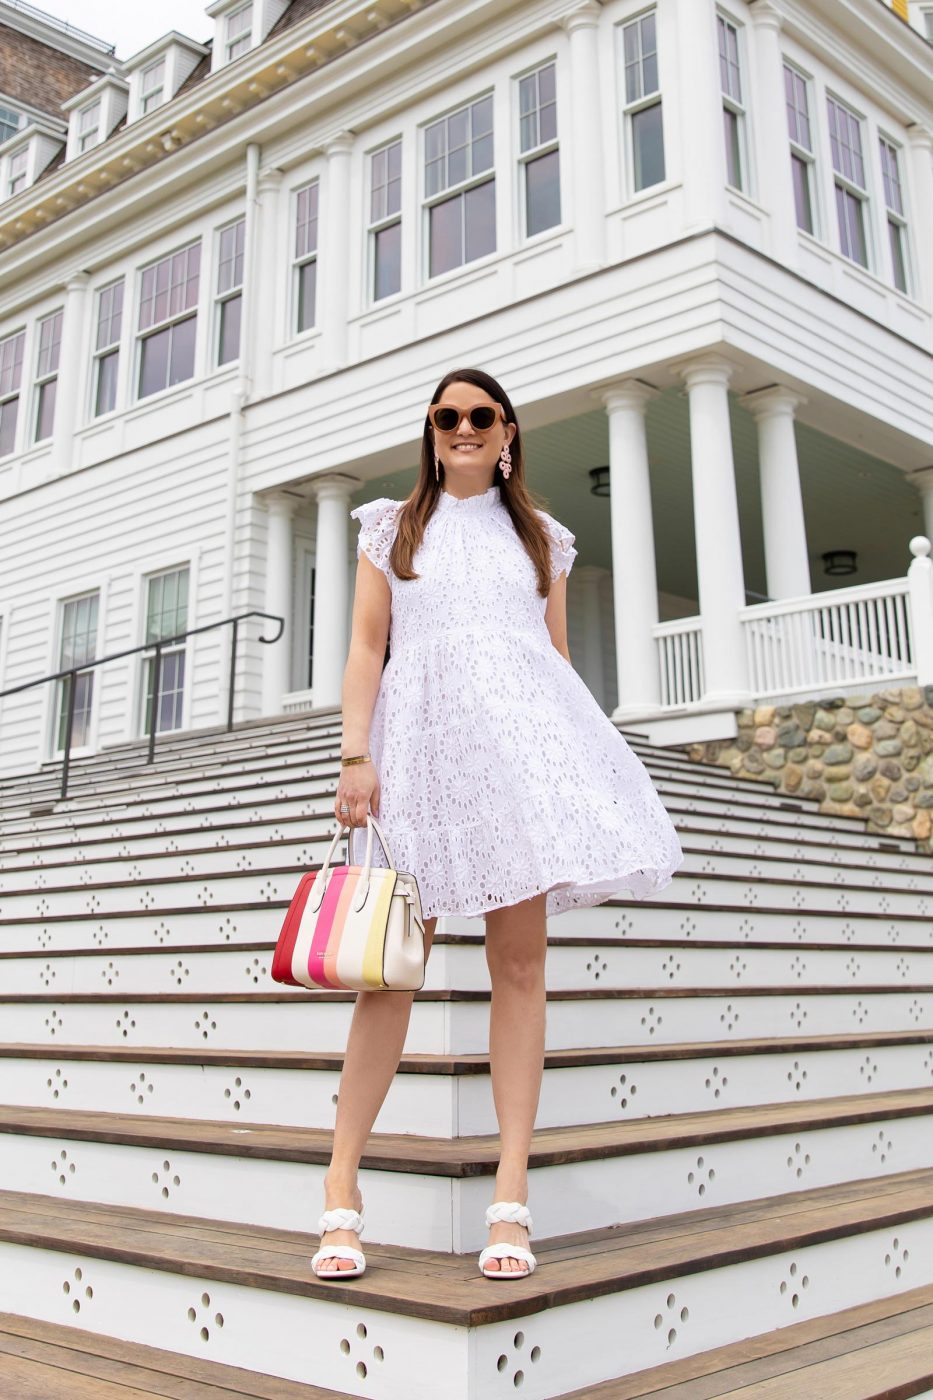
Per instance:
(738,107)
(632,108)
(146,661)
(58,716)
(234,292)
(146,104)
(300,260)
(543,148)
(808,157)
(392,218)
(15,393)
(82,133)
(169,322)
(20,121)
(21,175)
(113,349)
(895,218)
(242,37)
(47,376)
(840,181)
(458,190)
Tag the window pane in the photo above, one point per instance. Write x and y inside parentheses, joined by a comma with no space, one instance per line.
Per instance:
(306,221)
(480,220)
(733,159)
(898,261)
(11,362)
(181,358)
(307,295)
(648,141)
(388,261)
(230,315)
(153,366)
(106,397)
(482,155)
(109,315)
(45,413)
(230,257)
(801,179)
(446,236)
(9,412)
(542,190)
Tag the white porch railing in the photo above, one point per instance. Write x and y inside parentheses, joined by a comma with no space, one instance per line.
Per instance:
(845,638)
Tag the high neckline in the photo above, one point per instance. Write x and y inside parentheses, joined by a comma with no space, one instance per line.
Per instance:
(482,501)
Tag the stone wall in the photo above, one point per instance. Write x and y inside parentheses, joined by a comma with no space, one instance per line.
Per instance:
(867,755)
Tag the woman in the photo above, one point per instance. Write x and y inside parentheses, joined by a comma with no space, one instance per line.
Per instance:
(508,791)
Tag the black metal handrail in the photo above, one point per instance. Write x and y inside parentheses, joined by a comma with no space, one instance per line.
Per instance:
(73,672)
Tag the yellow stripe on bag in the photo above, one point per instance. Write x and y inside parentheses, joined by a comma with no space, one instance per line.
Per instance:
(375,941)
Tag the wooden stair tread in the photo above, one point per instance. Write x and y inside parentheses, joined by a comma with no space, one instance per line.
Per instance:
(862,1353)
(461,1064)
(449,1288)
(45,1361)
(473,1155)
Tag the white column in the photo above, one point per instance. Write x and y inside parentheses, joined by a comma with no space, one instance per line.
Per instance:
(71,363)
(778,188)
(266,271)
(589,577)
(921,208)
(332,589)
(334,265)
(923,480)
(720,575)
(787,564)
(586,149)
(703,152)
(634,574)
(276,659)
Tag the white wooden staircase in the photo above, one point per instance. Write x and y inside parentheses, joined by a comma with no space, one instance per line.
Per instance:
(732,1170)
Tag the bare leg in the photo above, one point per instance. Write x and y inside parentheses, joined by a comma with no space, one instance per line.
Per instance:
(374,1048)
(516,944)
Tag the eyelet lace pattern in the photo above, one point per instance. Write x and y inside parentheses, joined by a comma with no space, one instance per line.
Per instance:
(500,775)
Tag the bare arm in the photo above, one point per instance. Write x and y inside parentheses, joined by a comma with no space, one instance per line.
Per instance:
(359,785)
(555,614)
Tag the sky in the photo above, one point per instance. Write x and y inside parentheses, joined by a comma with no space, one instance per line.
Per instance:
(131,24)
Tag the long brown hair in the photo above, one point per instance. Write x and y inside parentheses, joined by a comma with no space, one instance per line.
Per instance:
(419,506)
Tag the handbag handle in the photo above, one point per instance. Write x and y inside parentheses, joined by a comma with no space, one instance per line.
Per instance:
(371,826)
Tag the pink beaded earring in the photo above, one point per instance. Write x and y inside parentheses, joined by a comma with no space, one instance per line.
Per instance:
(505,460)
(437,467)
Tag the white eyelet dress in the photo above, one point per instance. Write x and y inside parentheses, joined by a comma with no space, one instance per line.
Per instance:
(500,775)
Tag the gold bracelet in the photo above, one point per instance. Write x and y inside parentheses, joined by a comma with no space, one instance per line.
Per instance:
(359,758)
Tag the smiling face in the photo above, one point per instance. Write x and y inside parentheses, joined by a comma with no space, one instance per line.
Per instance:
(469,455)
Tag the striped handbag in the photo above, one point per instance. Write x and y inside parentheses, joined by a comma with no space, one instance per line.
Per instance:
(353,928)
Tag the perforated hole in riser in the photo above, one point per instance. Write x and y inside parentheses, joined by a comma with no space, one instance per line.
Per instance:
(205,1318)
(521,1353)
(77,1291)
(361,1351)
(668,1318)
(165,1180)
(794,1284)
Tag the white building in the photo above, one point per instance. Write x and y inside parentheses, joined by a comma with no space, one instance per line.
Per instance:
(693,239)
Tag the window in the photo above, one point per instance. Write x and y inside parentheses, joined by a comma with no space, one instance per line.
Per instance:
(460,187)
(166,616)
(928,22)
(306,217)
(894,202)
(168,319)
(733,110)
(539,155)
(107,347)
(801,145)
(50,344)
(385,219)
(88,127)
(19,169)
(78,647)
(230,291)
(845,140)
(11,376)
(153,86)
(643,101)
(9,123)
(239,33)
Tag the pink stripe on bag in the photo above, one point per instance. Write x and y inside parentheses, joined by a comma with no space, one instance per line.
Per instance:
(322,929)
(339,924)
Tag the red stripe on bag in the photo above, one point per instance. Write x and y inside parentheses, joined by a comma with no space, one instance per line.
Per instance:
(285,947)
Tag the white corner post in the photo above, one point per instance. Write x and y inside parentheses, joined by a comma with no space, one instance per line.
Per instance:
(265,270)
(920,191)
(634,572)
(334,256)
(702,144)
(276,658)
(332,589)
(720,575)
(589,578)
(71,359)
(923,480)
(770,101)
(586,120)
(787,564)
(920,583)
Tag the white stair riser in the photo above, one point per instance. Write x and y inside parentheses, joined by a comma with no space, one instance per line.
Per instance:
(439,1213)
(447,1106)
(450,1027)
(128,868)
(463,967)
(649,919)
(557,1349)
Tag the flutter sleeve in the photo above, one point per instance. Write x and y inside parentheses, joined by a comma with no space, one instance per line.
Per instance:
(562,550)
(377,530)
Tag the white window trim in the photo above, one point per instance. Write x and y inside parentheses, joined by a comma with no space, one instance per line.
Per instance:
(864,195)
(80,134)
(630,109)
(39,379)
(134,398)
(374,226)
(298,261)
(888,214)
(811,157)
(144,95)
(426,202)
(90,416)
(219,298)
(522,158)
(740,108)
(22,393)
(49,717)
(135,718)
(246,34)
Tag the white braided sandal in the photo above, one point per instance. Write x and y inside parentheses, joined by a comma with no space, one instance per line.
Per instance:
(511,1211)
(341,1218)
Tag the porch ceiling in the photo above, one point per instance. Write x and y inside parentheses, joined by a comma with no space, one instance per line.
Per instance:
(851,499)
